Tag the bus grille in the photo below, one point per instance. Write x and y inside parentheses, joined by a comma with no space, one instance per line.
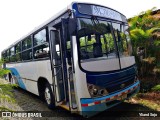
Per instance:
(113,81)
(119,84)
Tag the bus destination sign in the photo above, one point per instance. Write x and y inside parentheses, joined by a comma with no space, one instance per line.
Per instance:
(105,12)
(99,11)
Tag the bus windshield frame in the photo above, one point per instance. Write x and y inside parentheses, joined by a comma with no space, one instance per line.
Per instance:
(100,39)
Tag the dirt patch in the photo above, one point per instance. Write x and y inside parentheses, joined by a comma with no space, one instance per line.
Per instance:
(152,96)
(150,100)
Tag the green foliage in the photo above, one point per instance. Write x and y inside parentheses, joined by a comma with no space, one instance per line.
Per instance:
(5,109)
(3,71)
(156,88)
(6,89)
(144,31)
(6,95)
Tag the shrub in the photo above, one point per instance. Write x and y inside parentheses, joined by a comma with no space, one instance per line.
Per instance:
(156,88)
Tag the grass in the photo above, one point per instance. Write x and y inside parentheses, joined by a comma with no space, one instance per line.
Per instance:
(149,104)
(6,95)
(149,94)
(5,109)
(150,100)
(156,88)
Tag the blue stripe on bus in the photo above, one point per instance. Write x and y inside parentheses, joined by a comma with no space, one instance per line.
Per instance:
(16,74)
(94,109)
(91,100)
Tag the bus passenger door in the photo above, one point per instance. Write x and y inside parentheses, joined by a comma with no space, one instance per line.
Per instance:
(56,63)
(68,31)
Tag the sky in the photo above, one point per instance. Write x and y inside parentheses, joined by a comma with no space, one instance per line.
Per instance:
(19,17)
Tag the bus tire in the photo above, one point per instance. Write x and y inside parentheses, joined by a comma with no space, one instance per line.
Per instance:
(48,96)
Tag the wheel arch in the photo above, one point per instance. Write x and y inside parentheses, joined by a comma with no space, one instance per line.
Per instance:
(41,85)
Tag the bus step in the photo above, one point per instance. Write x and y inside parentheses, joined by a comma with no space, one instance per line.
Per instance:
(65,106)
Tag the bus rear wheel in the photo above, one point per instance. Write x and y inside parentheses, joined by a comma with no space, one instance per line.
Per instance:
(48,96)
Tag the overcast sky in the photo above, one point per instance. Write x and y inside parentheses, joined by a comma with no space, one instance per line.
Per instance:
(18,17)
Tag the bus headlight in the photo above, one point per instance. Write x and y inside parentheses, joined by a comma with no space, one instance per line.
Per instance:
(103,92)
(96,90)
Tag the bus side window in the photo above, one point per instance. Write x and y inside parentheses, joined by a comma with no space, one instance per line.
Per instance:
(18,52)
(27,55)
(7,56)
(41,51)
(41,45)
(69,52)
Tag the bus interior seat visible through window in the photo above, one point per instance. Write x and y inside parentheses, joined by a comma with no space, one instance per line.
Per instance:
(84,54)
(97,50)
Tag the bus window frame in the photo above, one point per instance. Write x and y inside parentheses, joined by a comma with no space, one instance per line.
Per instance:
(114,38)
(34,46)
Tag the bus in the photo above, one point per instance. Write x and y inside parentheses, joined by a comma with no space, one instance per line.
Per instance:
(80,59)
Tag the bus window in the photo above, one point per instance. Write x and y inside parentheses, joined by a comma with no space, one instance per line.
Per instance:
(27,43)
(121,39)
(18,57)
(96,40)
(26,48)
(40,37)
(41,49)
(128,40)
(12,56)
(69,52)
(4,56)
(7,56)
(18,48)
(27,55)
(17,52)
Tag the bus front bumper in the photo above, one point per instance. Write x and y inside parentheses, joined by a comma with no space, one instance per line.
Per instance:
(92,106)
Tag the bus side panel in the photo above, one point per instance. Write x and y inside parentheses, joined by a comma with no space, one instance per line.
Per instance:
(37,69)
(27,74)
(44,70)
(80,79)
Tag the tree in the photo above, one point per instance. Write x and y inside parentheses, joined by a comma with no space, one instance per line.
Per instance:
(145,32)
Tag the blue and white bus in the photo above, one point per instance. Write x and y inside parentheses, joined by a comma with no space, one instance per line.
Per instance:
(80,59)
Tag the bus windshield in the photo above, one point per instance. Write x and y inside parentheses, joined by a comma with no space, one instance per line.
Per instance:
(96,40)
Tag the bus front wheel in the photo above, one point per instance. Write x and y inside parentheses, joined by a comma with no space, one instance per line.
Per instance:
(48,96)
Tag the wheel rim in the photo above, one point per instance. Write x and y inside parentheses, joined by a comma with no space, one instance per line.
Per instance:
(47,96)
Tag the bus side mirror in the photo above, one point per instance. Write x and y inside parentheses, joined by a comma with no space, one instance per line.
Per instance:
(72,25)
